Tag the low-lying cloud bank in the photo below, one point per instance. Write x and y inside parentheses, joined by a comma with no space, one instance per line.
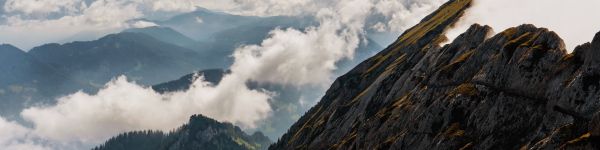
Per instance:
(123,106)
(575,21)
(82,120)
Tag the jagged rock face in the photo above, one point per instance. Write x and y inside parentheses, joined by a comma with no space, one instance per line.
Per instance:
(516,89)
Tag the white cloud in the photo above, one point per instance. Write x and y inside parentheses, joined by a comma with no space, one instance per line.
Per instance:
(123,106)
(295,57)
(76,19)
(266,7)
(301,58)
(574,21)
(43,7)
(399,14)
(13,136)
(101,17)
(306,57)
(143,24)
(175,5)
(404,14)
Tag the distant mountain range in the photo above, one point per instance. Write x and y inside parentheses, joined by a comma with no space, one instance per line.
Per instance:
(56,69)
(143,58)
(200,133)
(221,33)
(203,24)
(150,56)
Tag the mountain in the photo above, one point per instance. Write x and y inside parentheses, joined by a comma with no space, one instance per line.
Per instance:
(202,24)
(518,89)
(213,76)
(14,63)
(200,133)
(258,30)
(24,80)
(168,35)
(49,71)
(141,57)
(221,33)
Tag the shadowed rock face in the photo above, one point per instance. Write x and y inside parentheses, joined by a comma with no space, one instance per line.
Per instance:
(516,89)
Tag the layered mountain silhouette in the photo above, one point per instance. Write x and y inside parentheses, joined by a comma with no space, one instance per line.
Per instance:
(148,56)
(52,70)
(139,56)
(221,33)
(518,89)
(200,133)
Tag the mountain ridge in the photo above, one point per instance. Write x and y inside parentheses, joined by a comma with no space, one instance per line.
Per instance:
(99,55)
(168,35)
(199,133)
(518,89)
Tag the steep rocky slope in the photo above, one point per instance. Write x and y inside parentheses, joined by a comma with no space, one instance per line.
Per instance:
(516,89)
(200,133)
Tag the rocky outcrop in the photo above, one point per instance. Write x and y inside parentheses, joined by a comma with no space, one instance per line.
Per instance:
(518,89)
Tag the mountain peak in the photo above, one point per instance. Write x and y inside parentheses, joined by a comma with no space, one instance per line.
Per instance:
(7,45)
(9,48)
(213,76)
(200,133)
(596,38)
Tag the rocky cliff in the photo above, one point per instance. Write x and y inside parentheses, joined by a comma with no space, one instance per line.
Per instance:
(518,89)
